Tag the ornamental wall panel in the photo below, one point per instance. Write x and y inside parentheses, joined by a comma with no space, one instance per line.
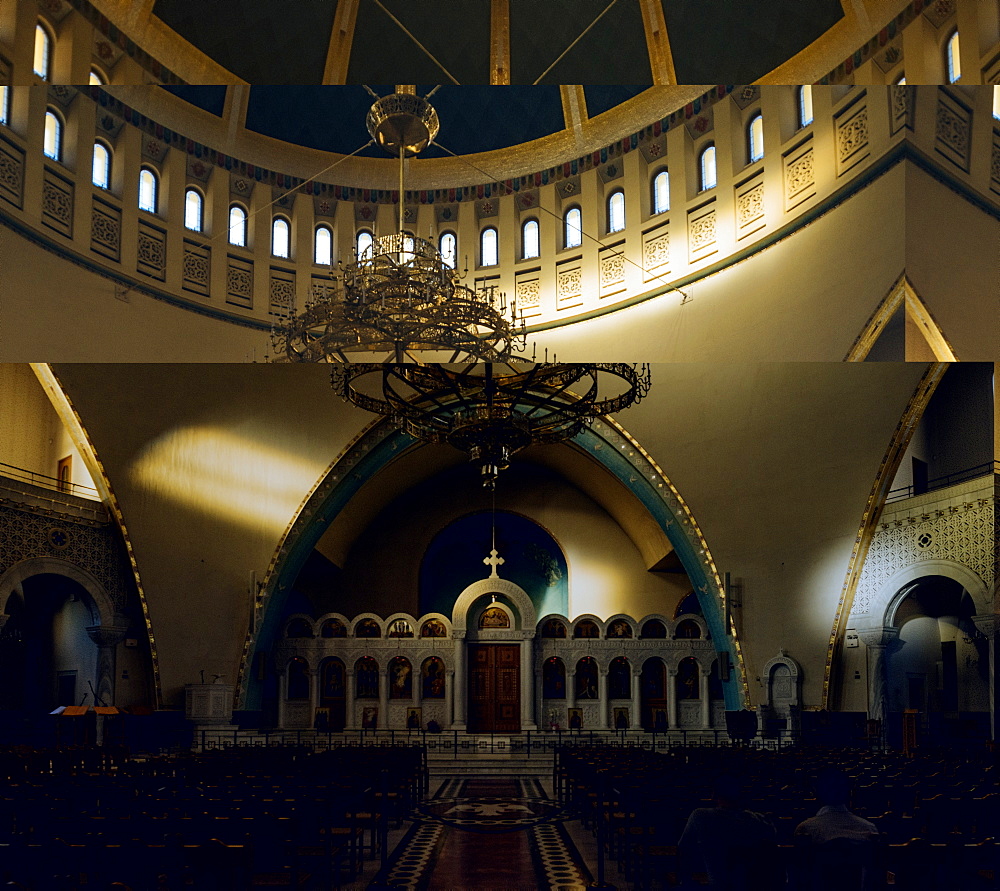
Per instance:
(901,105)
(57,202)
(852,129)
(197,267)
(106,229)
(569,284)
(702,232)
(656,251)
(799,173)
(995,164)
(151,251)
(953,129)
(282,292)
(11,172)
(750,214)
(528,293)
(611,265)
(239,282)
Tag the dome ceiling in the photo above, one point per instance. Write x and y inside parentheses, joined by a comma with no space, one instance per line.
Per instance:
(558,41)
(473,119)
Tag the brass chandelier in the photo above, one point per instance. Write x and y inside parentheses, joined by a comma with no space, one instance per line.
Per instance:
(401,295)
(491,411)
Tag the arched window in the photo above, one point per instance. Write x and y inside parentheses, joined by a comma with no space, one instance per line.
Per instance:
(408,254)
(805,104)
(363,242)
(661,192)
(102,165)
(688,629)
(687,683)
(529,240)
(43,52)
(367,628)
(619,679)
(237,225)
(4,104)
(298,679)
(97,78)
(488,247)
(900,81)
(280,237)
(554,628)
(553,679)
(616,211)
(148,188)
(952,60)
(333,628)
(52,141)
(432,678)
(323,247)
(755,138)
(366,678)
(586,629)
(707,172)
(996,102)
(298,627)
(448,246)
(573,228)
(586,678)
(654,628)
(400,678)
(194,210)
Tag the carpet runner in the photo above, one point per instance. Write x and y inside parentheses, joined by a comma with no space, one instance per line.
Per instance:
(487,834)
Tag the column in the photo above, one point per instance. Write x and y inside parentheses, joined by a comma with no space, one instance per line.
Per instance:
(528,685)
(107,638)
(458,688)
(282,695)
(383,698)
(990,625)
(602,698)
(877,642)
(672,698)
(313,694)
(349,722)
(706,721)
(448,692)
(636,716)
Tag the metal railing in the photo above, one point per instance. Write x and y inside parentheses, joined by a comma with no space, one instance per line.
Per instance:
(50,483)
(942,482)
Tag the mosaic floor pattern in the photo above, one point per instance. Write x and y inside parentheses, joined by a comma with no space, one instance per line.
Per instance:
(488,834)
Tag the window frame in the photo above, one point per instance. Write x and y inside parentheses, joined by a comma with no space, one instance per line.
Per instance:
(537,238)
(325,227)
(108,160)
(155,179)
(609,207)
(5,92)
(245,229)
(44,29)
(482,247)
(804,105)
(662,174)
(753,155)
(567,244)
(188,192)
(97,77)
(703,184)
(57,152)
(952,57)
(275,220)
(448,233)
(357,241)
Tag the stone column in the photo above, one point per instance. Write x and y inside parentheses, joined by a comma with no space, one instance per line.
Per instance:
(990,626)
(313,694)
(383,698)
(706,714)
(636,716)
(282,695)
(458,688)
(448,693)
(570,690)
(107,638)
(527,685)
(349,720)
(877,642)
(672,698)
(602,698)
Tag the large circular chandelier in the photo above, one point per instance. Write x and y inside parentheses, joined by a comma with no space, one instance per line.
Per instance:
(491,411)
(401,294)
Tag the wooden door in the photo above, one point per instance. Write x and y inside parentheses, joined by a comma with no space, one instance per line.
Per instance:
(494,688)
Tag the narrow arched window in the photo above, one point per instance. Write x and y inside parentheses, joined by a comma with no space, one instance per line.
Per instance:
(900,81)
(488,247)
(805,105)
(363,243)
(323,247)
(148,188)
(616,211)
(97,78)
(755,138)
(237,226)
(52,140)
(102,166)
(4,104)
(194,210)
(448,246)
(529,240)
(43,52)
(408,253)
(573,227)
(996,102)
(954,63)
(661,192)
(708,176)
(280,237)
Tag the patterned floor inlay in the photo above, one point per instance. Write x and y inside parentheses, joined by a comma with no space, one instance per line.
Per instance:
(488,834)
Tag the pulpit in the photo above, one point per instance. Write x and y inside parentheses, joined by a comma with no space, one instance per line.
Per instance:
(209,703)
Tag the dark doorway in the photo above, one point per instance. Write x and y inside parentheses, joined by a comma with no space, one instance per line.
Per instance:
(494,688)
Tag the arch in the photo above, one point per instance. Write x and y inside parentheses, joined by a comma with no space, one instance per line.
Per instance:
(693,619)
(621,627)
(448,248)
(400,625)
(435,625)
(553,678)
(238,225)
(687,630)
(149,189)
(323,245)
(45,41)
(708,175)
(553,628)
(296,679)
(97,77)
(530,244)
(299,626)
(585,680)
(103,611)
(524,609)
(281,238)
(489,254)
(804,105)
(654,628)
(952,58)
(52,139)
(400,672)
(620,678)
(333,626)
(895,589)
(687,683)
(101,172)
(432,678)
(363,242)
(367,623)
(588,627)
(755,138)
(660,191)
(616,211)
(366,680)
(573,227)
(194,209)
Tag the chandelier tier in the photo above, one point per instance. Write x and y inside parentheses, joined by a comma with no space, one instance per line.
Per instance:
(401,294)
(492,411)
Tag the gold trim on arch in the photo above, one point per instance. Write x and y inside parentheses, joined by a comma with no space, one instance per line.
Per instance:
(902,293)
(74,426)
(873,510)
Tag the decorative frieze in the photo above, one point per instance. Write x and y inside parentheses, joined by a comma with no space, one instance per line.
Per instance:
(57,203)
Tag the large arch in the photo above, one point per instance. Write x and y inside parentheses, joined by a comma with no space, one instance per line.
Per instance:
(524,608)
(608,444)
(899,584)
(103,608)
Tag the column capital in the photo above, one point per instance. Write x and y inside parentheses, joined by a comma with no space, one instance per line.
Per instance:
(878,637)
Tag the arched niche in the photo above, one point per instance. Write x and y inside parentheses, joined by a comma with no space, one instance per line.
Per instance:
(523,613)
